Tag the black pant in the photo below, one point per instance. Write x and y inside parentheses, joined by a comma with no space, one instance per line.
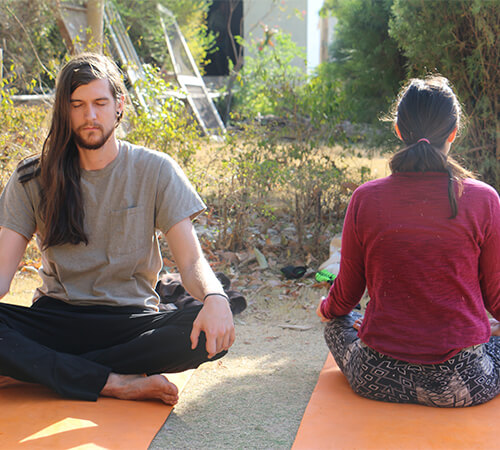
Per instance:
(73,349)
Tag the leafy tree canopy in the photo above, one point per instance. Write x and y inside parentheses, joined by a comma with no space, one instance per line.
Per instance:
(142,20)
(461,40)
(34,49)
(31,42)
(364,58)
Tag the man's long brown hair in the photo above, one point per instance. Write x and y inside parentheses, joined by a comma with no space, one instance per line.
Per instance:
(61,201)
(426,113)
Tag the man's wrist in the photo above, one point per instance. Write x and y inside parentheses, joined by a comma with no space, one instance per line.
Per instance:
(214,294)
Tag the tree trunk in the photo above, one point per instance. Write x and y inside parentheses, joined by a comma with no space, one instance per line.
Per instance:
(95,20)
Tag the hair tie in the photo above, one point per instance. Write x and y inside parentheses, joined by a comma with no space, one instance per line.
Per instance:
(423,139)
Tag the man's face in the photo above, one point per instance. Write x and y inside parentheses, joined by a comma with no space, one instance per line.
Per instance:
(93,114)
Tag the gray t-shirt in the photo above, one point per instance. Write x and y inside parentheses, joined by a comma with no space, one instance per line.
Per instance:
(140,192)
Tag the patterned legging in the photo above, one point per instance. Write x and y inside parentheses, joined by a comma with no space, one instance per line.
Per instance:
(469,378)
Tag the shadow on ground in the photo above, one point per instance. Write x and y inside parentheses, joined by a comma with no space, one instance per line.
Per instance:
(254,397)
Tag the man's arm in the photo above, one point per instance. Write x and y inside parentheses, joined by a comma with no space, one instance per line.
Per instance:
(215,318)
(12,248)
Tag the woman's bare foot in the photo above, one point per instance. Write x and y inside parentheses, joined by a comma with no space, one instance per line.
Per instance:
(357,323)
(141,387)
(495,327)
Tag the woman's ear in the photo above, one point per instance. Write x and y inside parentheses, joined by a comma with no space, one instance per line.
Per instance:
(452,135)
(397,131)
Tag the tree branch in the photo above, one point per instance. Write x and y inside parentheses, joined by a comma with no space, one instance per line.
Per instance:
(29,40)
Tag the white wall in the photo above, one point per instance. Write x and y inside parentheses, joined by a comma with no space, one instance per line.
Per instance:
(313,34)
(299,18)
(276,14)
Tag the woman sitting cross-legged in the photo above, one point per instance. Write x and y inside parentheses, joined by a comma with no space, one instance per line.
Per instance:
(425,241)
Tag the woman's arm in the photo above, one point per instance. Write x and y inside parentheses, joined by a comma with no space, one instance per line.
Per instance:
(350,283)
(489,262)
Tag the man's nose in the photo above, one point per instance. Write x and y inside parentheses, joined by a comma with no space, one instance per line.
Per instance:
(90,112)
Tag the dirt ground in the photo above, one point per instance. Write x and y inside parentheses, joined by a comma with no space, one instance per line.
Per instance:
(256,395)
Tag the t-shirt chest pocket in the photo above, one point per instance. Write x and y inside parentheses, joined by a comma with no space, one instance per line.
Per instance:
(127,233)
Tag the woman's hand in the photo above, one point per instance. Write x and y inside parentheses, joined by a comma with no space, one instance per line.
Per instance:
(319,313)
(495,327)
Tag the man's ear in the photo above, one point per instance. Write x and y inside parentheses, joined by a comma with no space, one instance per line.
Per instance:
(452,135)
(120,105)
(397,130)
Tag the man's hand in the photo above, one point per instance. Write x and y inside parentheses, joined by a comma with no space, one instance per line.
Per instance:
(216,321)
(215,318)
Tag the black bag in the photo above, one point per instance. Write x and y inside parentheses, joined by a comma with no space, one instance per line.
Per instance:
(172,292)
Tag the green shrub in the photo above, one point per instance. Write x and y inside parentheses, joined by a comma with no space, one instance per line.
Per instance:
(269,83)
(22,131)
(165,124)
(263,176)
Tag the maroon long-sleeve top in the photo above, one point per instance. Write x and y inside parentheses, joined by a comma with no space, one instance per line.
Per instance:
(429,278)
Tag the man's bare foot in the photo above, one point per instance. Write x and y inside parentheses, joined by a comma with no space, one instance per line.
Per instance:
(495,327)
(141,387)
(8,382)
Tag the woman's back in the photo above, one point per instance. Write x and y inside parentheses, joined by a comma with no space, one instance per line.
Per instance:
(421,267)
(426,242)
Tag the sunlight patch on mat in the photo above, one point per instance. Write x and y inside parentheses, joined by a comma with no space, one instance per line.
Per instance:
(61,427)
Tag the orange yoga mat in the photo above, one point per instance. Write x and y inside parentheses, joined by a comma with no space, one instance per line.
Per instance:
(337,418)
(33,417)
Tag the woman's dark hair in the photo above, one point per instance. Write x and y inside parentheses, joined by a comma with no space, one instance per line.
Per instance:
(426,113)
(61,201)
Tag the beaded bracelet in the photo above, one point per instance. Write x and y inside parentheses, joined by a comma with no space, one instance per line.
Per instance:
(215,293)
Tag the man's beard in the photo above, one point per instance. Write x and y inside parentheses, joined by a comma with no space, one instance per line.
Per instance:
(88,144)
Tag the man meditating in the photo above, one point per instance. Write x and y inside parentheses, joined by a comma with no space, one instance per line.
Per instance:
(95,205)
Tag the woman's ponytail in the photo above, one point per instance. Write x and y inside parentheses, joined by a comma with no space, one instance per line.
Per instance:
(426,114)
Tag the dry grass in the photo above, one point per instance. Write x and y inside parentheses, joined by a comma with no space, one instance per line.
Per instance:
(209,162)
(377,163)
